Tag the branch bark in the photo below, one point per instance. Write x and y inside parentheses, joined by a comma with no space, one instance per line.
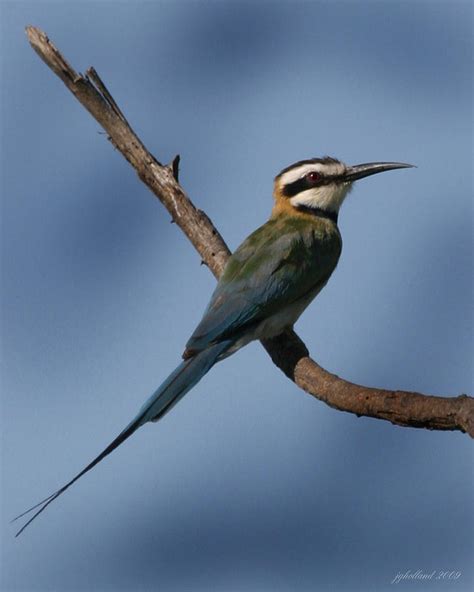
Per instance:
(287,351)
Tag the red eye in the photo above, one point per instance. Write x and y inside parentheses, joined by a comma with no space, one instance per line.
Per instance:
(313,176)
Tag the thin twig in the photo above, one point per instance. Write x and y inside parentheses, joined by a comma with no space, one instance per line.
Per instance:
(91,73)
(287,351)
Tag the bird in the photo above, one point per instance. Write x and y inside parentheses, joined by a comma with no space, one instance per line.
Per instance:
(265,286)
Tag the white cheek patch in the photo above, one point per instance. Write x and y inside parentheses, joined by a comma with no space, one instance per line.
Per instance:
(326,197)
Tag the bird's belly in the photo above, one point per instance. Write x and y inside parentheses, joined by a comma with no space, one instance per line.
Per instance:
(277,323)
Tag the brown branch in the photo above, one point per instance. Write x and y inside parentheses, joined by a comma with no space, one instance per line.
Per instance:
(287,351)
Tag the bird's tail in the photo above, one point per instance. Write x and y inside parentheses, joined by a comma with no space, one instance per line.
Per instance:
(178,383)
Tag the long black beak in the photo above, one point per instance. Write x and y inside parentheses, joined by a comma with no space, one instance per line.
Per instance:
(359,171)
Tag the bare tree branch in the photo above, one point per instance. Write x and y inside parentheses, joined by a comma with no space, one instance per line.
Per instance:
(287,351)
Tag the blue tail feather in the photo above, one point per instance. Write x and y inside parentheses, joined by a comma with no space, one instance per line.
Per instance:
(178,383)
(181,381)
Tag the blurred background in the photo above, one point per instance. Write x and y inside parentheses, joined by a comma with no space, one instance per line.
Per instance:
(249,484)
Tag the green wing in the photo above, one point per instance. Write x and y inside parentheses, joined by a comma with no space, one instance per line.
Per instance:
(280,263)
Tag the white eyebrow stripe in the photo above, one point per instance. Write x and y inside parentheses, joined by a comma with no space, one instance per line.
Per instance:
(318,167)
(298,172)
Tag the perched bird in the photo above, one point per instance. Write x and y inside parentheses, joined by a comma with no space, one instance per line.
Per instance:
(266,285)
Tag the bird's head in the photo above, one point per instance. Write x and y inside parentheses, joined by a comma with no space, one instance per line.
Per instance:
(320,185)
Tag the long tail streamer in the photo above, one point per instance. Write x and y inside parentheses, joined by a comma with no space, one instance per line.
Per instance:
(178,383)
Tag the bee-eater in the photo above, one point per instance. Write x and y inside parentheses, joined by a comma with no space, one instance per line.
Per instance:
(265,286)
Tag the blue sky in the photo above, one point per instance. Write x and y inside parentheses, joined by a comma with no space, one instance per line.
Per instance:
(249,484)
